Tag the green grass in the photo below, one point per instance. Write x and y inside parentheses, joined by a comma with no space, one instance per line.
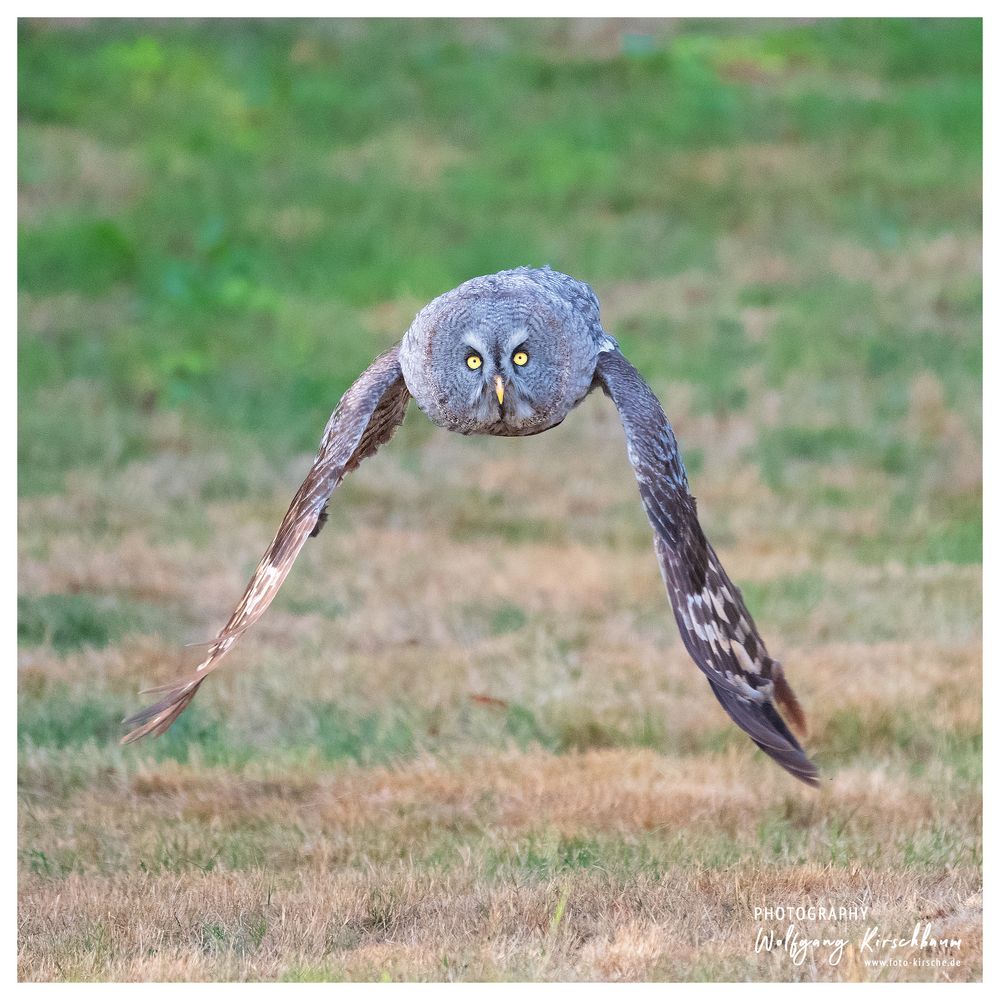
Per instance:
(575,162)
(71,621)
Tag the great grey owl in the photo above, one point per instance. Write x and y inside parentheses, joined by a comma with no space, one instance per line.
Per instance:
(511,354)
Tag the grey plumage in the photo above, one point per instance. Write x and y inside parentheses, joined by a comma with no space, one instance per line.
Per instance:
(551,314)
(511,354)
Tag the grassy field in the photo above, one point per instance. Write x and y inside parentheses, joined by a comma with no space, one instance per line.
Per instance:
(466,742)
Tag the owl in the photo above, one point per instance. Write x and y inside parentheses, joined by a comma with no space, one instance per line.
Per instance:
(512,354)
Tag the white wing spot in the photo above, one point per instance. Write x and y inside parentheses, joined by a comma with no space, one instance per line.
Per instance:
(750,691)
(743,658)
(720,607)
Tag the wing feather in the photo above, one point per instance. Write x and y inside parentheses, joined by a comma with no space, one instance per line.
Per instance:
(367,416)
(715,625)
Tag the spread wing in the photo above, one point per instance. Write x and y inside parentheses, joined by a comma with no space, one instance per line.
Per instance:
(368,414)
(714,623)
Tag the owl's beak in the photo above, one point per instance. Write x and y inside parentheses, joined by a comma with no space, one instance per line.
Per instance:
(498,383)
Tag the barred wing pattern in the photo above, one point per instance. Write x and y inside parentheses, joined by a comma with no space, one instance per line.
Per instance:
(367,416)
(714,623)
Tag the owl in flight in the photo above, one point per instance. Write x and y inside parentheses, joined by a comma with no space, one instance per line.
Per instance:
(511,354)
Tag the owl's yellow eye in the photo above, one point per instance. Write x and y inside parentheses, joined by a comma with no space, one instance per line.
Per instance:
(474,361)
(520,358)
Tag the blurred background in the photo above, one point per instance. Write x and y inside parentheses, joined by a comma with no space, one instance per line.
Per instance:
(222,222)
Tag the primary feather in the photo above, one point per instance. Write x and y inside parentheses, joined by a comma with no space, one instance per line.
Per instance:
(367,416)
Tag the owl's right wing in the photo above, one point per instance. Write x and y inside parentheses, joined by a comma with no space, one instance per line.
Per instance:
(367,416)
(714,623)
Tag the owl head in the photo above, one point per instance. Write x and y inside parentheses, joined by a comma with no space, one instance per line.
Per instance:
(501,354)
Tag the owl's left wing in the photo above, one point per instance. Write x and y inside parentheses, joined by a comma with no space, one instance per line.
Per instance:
(367,416)
(714,623)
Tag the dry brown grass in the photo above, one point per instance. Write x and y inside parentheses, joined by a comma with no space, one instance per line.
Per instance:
(568,801)
(456,861)
(327,888)
(418,158)
(73,169)
(337,925)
